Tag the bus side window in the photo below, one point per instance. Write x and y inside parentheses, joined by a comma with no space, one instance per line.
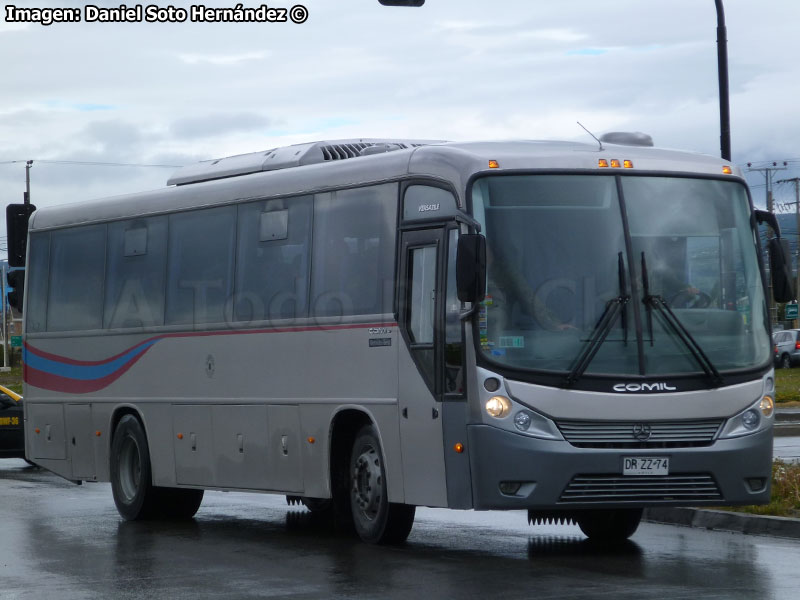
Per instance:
(354,245)
(272,260)
(38,279)
(77,263)
(135,273)
(200,265)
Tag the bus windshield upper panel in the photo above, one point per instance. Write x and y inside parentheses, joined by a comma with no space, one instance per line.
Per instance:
(566,293)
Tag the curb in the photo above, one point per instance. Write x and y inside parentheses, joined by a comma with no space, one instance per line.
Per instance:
(722,520)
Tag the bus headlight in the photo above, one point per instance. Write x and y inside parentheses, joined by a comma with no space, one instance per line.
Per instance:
(755,418)
(498,406)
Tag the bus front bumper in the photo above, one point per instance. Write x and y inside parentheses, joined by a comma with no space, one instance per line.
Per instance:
(554,474)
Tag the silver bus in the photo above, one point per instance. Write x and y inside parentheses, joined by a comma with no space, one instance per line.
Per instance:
(367,326)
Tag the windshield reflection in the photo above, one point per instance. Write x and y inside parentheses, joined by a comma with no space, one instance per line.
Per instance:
(556,246)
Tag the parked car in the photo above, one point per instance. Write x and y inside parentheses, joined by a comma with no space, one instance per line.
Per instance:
(787,348)
(12,441)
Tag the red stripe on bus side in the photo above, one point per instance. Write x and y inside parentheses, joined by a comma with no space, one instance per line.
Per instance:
(72,361)
(57,383)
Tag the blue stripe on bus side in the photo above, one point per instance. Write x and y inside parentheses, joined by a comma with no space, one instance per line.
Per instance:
(83,372)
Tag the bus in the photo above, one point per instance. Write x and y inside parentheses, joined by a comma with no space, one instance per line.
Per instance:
(579,331)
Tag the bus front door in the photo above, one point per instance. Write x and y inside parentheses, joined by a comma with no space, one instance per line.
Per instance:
(420,311)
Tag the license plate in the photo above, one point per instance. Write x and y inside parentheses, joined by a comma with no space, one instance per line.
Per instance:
(645,465)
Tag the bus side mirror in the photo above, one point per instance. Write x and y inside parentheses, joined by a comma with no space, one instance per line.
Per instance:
(782,289)
(471,267)
(17,217)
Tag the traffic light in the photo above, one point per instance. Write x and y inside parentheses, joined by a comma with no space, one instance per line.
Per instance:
(17,217)
(16,280)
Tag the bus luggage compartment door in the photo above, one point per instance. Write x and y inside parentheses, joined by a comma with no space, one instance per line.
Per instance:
(193,443)
(46,431)
(80,440)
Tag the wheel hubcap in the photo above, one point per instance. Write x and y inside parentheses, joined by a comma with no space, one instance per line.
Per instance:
(130,469)
(367,489)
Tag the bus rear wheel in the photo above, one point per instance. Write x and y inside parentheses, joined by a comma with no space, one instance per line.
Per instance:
(131,479)
(610,525)
(376,520)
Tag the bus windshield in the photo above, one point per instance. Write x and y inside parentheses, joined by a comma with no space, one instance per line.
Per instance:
(592,268)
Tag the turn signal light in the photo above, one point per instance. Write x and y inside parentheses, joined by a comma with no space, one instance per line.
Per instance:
(767,406)
(458,447)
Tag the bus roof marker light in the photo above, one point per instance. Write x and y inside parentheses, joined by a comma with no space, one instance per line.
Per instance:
(727,170)
(628,164)
(602,163)
(615,164)
(493,164)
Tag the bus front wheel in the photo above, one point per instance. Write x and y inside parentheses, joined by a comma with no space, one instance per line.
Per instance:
(610,525)
(376,520)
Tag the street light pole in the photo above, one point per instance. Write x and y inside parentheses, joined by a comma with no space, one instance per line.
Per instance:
(27,195)
(722,70)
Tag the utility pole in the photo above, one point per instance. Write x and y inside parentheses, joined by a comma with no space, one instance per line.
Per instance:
(796,182)
(768,173)
(27,195)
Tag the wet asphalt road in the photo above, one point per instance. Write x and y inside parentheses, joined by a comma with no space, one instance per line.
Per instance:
(58,540)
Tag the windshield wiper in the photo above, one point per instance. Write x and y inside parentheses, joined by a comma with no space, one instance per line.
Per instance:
(614,308)
(657,302)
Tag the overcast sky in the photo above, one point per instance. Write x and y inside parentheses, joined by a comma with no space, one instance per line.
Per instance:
(176,93)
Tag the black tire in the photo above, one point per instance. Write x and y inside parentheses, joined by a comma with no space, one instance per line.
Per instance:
(178,504)
(610,525)
(131,477)
(376,520)
(786,362)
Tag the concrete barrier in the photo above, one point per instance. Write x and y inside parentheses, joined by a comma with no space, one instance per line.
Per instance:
(723,520)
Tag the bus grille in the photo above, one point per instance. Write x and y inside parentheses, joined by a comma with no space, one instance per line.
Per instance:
(635,434)
(667,488)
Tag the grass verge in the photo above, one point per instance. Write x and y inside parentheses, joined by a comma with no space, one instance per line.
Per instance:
(787,386)
(785,497)
(13,379)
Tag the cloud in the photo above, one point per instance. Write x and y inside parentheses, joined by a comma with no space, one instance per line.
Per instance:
(79,106)
(221,59)
(218,124)
(587,52)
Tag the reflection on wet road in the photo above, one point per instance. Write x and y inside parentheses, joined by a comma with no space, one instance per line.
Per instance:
(64,541)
